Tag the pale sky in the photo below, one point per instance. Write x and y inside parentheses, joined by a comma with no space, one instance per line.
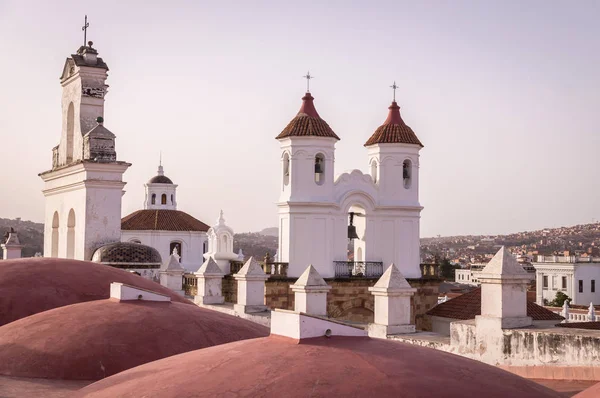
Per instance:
(503,94)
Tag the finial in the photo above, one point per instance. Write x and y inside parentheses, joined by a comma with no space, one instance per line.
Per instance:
(394,87)
(100,120)
(221,220)
(90,44)
(308,77)
(160,158)
(84,28)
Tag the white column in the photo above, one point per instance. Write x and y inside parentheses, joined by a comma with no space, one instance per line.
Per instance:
(210,280)
(310,293)
(250,288)
(392,304)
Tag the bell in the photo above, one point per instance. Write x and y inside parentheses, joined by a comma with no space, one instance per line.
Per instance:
(318,168)
(352,232)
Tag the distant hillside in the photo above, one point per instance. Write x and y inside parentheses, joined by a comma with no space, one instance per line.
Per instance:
(31,234)
(274,231)
(255,244)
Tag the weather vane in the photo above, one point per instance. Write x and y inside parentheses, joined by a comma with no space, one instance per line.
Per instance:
(394,87)
(84,28)
(308,77)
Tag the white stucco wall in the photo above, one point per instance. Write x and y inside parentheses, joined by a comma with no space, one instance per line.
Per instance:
(574,272)
(587,273)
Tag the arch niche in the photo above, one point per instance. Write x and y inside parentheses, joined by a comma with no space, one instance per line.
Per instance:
(358,250)
(70,132)
(71,234)
(55,235)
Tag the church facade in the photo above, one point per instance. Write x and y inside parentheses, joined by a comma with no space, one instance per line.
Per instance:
(319,212)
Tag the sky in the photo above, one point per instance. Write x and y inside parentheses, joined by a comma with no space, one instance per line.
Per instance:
(504,96)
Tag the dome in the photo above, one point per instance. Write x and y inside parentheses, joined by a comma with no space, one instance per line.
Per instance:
(318,367)
(53,282)
(93,340)
(394,130)
(592,392)
(125,253)
(162,220)
(160,179)
(307,122)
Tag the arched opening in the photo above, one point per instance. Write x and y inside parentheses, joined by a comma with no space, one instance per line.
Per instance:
(54,246)
(319,169)
(407,173)
(286,169)
(153,201)
(225,243)
(70,132)
(173,246)
(172,199)
(374,171)
(163,199)
(71,234)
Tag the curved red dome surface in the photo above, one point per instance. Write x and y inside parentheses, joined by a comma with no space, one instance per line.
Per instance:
(89,341)
(592,392)
(32,285)
(319,367)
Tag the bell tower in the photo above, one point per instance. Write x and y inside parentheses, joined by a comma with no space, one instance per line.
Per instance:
(83,189)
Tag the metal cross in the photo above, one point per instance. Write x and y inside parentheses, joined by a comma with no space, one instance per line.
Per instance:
(84,28)
(394,87)
(308,77)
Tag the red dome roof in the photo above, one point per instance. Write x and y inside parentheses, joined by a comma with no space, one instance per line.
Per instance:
(307,122)
(89,341)
(394,130)
(162,220)
(592,392)
(319,367)
(32,285)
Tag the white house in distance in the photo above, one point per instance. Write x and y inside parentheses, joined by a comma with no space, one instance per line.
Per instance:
(163,227)
(574,276)
(315,208)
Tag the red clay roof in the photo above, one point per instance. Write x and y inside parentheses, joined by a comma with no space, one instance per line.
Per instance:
(162,220)
(468,305)
(581,325)
(32,285)
(93,340)
(320,367)
(307,122)
(592,392)
(393,130)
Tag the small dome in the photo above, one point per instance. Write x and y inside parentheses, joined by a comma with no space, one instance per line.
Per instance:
(127,253)
(160,180)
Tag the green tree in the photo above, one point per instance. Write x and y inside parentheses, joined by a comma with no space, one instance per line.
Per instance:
(447,269)
(559,300)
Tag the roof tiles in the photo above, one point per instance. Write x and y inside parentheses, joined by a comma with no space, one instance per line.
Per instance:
(162,220)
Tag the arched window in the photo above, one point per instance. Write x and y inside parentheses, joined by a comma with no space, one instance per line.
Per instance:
(71,234)
(70,132)
(176,245)
(407,173)
(163,199)
(319,169)
(54,247)
(153,198)
(286,169)
(374,171)
(172,199)
(225,243)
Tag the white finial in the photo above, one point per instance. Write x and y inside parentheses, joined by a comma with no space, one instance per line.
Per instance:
(592,313)
(221,219)
(565,311)
(175,253)
(160,167)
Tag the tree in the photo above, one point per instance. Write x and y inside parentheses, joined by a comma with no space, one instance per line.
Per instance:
(559,300)
(447,269)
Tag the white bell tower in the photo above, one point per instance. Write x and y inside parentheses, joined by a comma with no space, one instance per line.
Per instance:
(83,189)
(161,192)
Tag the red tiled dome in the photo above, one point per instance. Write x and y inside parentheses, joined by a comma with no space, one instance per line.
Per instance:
(89,341)
(307,123)
(32,285)
(394,130)
(162,220)
(319,367)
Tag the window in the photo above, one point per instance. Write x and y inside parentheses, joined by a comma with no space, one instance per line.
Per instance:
(554,282)
(580,286)
(319,169)
(564,282)
(593,287)
(153,199)
(286,169)
(407,173)
(545,282)
(163,199)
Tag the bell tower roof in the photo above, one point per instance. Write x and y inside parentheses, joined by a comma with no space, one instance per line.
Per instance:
(307,122)
(394,130)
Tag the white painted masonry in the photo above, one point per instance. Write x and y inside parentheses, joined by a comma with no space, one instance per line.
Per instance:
(250,288)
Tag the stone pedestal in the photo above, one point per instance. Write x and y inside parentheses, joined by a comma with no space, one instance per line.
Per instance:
(310,293)
(392,304)
(171,274)
(210,279)
(250,288)
(12,247)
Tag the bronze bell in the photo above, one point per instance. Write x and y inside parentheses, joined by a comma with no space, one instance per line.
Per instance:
(352,232)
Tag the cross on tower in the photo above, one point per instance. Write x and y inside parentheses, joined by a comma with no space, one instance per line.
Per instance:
(308,77)
(84,28)
(394,87)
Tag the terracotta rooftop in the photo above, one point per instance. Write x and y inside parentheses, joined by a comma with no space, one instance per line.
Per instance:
(93,340)
(162,220)
(307,122)
(581,325)
(393,130)
(319,367)
(52,282)
(468,305)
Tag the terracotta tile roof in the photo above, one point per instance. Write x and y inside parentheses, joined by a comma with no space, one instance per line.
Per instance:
(307,123)
(394,130)
(468,305)
(162,220)
(581,325)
